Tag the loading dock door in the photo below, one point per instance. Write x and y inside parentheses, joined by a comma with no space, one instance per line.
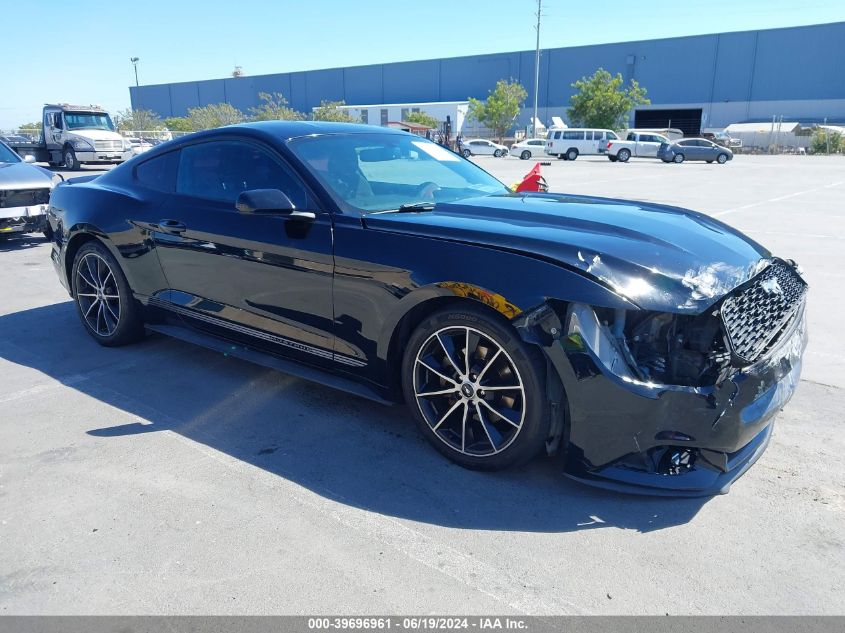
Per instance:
(688,120)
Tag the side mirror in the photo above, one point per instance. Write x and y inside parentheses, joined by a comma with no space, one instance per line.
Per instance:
(256,201)
(29,158)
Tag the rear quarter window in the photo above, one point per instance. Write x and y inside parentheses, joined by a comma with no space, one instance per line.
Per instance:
(159,173)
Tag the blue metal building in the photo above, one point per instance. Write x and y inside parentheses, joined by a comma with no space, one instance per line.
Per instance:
(697,81)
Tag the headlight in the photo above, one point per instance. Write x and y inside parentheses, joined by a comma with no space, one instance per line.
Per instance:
(653,347)
(81,145)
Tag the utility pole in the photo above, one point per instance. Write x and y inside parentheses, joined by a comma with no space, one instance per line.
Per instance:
(135,61)
(537,70)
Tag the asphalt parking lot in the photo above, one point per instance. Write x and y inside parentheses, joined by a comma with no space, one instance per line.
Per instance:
(164,478)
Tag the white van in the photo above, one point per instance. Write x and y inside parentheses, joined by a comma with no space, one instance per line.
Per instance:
(572,142)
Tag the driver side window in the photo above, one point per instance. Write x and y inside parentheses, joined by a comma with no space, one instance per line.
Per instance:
(221,170)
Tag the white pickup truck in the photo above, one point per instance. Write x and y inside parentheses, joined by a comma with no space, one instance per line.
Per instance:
(640,144)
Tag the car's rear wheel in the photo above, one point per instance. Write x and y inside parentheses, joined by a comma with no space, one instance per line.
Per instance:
(103,298)
(624,155)
(525,155)
(679,158)
(722,158)
(572,154)
(466,153)
(476,389)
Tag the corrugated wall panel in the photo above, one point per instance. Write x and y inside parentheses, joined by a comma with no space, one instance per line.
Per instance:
(182,97)
(410,82)
(363,85)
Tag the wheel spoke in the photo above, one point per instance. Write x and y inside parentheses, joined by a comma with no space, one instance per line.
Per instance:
(88,311)
(484,426)
(500,388)
(488,365)
(85,294)
(448,355)
(433,370)
(441,392)
(92,273)
(499,414)
(111,296)
(100,313)
(114,316)
(464,428)
(82,276)
(447,414)
(471,346)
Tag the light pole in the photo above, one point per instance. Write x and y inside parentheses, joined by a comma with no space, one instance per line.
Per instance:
(135,61)
(536,70)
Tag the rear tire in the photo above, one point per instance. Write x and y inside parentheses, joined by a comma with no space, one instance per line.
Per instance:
(103,299)
(679,158)
(466,153)
(486,410)
(571,154)
(624,155)
(525,155)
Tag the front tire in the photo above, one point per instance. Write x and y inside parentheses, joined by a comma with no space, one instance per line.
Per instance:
(722,158)
(103,299)
(525,154)
(679,158)
(71,162)
(572,154)
(497,153)
(476,389)
(466,153)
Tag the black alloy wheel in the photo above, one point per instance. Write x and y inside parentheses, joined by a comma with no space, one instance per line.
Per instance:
(103,299)
(476,390)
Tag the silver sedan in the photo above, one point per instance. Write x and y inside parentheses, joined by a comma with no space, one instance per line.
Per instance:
(694,149)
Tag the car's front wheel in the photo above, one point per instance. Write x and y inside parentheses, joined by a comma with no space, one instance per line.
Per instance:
(466,153)
(497,153)
(679,158)
(572,154)
(71,162)
(525,155)
(476,389)
(722,158)
(103,298)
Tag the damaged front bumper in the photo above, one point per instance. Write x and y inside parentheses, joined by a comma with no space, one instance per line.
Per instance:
(29,219)
(658,439)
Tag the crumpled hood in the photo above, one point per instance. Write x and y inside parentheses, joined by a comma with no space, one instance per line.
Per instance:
(659,257)
(23,176)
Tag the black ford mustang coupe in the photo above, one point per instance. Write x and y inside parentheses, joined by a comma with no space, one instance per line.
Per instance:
(649,345)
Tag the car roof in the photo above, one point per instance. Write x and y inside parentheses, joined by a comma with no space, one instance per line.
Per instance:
(287,130)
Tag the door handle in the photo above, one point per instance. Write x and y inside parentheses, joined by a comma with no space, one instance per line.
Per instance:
(174,227)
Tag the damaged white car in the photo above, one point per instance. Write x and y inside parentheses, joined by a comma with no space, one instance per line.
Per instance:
(24,194)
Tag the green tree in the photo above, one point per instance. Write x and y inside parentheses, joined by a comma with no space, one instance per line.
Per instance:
(31,127)
(500,109)
(144,120)
(331,111)
(178,124)
(603,101)
(421,118)
(214,115)
(274,107)
(824,141)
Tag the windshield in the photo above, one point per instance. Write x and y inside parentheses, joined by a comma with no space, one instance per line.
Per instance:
(7,155)
(88,121)
(382,172)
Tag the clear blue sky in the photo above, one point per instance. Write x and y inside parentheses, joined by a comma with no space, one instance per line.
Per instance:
(81,54)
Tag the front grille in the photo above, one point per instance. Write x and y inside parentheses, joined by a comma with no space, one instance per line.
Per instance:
(105,146)
(757,313)
(24,197)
